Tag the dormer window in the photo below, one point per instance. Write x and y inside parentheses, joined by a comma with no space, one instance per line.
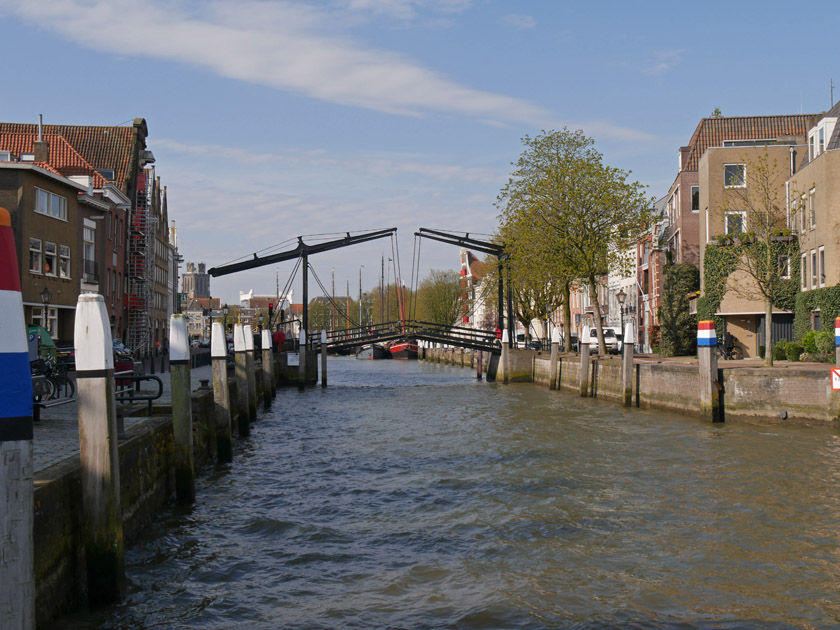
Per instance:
(5,156)
(107,173)
(822,140)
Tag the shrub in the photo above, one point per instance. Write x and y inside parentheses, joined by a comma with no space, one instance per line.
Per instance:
(809,342)
(824,342)
(779,353)
(793,350)
(761,350)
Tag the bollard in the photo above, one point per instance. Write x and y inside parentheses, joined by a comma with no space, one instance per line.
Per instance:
(252,375)
(302,361)
(99,456)
(628,343)
(505,359)
(179,377)
(241,373)
(221,394)
(837,341)
(17,555)
(555,355)
(323,358)
(584,362)
(267,360)
(710,387)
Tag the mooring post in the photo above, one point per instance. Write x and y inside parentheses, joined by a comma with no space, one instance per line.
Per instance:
(240,355)
(179,375)
(251,372)
(710,387)
(267,360)
(323,358)
(504,362)
(627,351)
(99,456)
(17,555)
(584,362)
(555,355)
(837,342)
(221,393)
(302,360)
(479,357)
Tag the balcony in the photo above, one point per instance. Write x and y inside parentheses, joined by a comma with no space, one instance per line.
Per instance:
(90,271)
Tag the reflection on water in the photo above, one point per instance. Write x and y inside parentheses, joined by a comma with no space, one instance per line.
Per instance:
(409,495)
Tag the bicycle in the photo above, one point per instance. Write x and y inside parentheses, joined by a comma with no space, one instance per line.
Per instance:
(58,384)
(733,353)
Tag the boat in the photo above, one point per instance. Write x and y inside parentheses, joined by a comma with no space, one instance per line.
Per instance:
(404,349)
(373,351)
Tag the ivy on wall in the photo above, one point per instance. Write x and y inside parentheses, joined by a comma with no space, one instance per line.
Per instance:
(827,300)
(677,326)
(720,261)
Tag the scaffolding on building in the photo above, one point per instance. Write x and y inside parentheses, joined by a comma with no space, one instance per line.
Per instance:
(141,251)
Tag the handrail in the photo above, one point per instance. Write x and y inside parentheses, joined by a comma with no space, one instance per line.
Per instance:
(130,395)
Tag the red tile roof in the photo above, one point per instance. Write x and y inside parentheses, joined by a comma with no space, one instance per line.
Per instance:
(712,132)
(63,158)
(103,147)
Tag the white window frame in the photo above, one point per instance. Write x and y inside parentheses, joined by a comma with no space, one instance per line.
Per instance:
(731,213)
(743,183)
(784,267)
(812,208)
(50,259)
(49,204)
(38,251)
(803,272)
(814,275)
(693,189)
(64,262)
(821,264)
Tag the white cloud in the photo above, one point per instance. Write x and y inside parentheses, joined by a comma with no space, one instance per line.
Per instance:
(664,60)
(518,21)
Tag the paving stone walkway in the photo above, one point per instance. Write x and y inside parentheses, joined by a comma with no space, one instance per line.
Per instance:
(57,432)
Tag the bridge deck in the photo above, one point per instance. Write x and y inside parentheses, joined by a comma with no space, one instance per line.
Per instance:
(421,331)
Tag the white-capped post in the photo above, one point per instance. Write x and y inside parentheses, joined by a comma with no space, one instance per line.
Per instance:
(555,357)
(241,371)
(221,393)
(628,345)
(17,556)
(179,374)
(267,361)
(585,339)
(252,374)
(504,361)
(323,358)
(100,465)
(302,364)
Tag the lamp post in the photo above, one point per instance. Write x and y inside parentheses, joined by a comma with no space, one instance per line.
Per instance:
(621,296)
(261,321)
(225,311)
(46,296)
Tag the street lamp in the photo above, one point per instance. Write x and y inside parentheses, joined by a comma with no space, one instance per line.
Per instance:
(225,311)
(621,296)
(46,296)
(261,321)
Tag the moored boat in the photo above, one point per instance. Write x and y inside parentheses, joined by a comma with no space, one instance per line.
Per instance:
(373,351)
(404,349)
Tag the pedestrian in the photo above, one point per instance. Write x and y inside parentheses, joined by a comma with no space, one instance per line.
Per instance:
(728,344)
(278,339)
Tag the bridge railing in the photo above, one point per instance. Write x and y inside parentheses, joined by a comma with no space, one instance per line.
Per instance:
(429,331)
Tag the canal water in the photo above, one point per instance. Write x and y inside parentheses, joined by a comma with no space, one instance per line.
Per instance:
(408,495)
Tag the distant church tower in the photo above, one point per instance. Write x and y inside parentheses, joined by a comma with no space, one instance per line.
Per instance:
(197,283)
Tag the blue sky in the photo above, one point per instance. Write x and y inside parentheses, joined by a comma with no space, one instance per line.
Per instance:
(275,119)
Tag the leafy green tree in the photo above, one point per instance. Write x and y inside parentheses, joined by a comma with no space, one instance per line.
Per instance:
(440,297)
(677,326)
(590,212)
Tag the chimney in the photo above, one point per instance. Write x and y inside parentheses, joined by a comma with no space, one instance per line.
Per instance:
(41,148)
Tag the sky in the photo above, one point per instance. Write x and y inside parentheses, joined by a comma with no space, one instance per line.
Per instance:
(271,120)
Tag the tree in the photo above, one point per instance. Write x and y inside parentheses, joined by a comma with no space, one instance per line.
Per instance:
(440,298)
(761,245)
(590,212)
(677,326)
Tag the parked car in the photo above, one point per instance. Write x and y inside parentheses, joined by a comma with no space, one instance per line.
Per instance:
(611,340)
(533,344)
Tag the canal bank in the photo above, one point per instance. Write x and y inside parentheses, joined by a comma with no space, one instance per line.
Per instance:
(789,393)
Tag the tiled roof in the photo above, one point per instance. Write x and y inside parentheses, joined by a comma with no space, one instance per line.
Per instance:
(103,147)
(63,158)
(712,132)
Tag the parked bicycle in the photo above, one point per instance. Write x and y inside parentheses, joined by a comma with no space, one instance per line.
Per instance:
(56,384)
(729,348)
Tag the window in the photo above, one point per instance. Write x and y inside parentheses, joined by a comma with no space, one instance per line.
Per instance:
(734,176)
(50,323)
(89,254)
(64,261)
(735,222)
(36,256)
(822,140)
(51,205)
(50,259)
(813,269)
(695,198)
(803,271)
(812,209)
(784,267)
(822,265)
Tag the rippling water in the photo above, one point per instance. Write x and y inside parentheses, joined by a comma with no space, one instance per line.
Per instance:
(408,495)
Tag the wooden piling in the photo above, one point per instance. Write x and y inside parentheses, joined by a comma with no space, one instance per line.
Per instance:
(241,372)
(479,358)
(584,362)
(267,360)
(221,394)
(504,363)
(17,556)
(710,387)
(181,386)
(98,452)
(302,361)
(555,355)
(251,370)
(627,372)
(323,358)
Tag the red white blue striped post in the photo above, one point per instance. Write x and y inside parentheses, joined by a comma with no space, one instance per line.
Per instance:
(17,564)
(706,335)
(837,341)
